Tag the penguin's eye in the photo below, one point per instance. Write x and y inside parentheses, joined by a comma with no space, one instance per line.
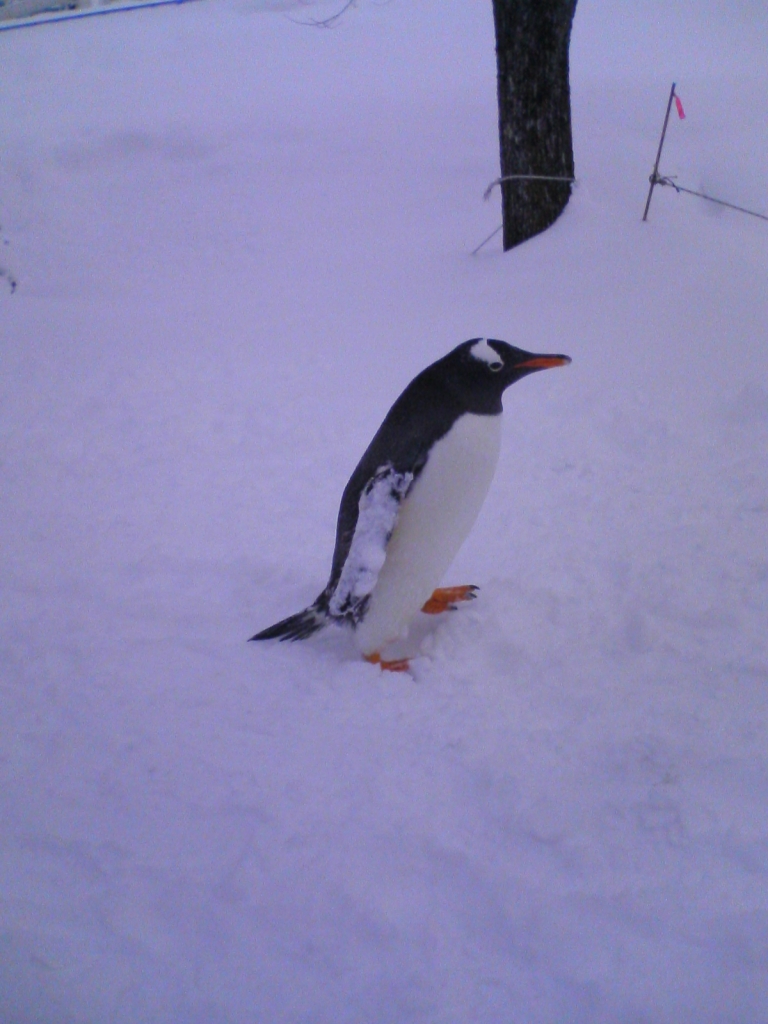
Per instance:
(495,366)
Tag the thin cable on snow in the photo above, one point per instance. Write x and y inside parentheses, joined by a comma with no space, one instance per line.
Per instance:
(659,179)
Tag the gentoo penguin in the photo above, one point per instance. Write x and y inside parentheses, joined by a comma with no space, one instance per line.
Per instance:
(414,496)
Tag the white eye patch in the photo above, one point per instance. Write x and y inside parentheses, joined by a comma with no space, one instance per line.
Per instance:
(482,350)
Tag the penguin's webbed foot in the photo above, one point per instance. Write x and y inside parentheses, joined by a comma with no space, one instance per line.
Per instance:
(396,665)
(444,598)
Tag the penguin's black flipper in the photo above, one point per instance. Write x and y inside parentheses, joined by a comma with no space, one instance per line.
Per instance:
(295,627)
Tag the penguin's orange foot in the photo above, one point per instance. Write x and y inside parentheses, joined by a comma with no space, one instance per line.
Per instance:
(398,665)
(444,597)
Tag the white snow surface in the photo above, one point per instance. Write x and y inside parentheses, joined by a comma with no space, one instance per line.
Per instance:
(236,239)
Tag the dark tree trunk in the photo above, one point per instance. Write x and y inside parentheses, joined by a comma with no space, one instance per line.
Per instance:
(532,40)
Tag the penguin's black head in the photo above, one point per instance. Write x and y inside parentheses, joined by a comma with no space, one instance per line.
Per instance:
(481,369)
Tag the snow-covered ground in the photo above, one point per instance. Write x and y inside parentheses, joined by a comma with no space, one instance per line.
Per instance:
(236,239)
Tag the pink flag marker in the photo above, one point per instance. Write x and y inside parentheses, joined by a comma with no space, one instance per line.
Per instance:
(679,105)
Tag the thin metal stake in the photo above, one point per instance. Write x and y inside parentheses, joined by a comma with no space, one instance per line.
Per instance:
(654,179)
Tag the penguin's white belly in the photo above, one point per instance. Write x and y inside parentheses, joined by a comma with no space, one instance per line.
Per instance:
(432,524)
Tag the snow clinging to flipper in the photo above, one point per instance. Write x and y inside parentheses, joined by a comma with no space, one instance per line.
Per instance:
(377,515)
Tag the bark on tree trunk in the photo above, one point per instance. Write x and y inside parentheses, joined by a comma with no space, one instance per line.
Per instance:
(532,41)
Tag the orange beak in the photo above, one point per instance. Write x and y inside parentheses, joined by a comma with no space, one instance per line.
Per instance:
(543,362)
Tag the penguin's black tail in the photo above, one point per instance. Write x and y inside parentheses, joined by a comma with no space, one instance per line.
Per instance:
(295,627)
